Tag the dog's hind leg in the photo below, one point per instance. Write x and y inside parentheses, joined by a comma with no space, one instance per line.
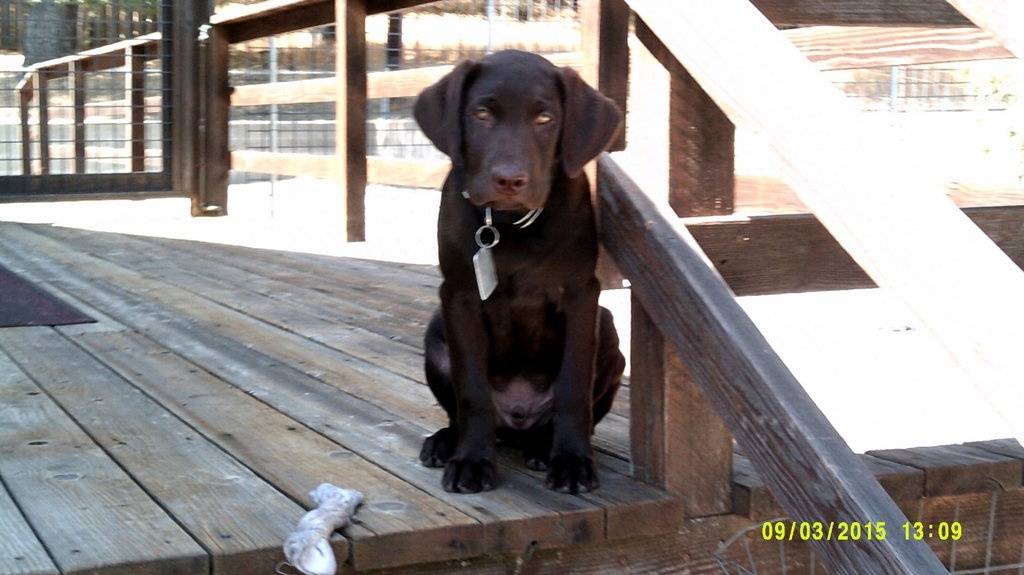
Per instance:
(440,446)
(609,366)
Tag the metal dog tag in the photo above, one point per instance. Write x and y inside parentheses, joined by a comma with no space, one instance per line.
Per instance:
(486,275)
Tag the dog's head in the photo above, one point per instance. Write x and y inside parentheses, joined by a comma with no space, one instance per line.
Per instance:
(510,120)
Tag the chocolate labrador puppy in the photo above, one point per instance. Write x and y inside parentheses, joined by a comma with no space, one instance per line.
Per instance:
(520,349)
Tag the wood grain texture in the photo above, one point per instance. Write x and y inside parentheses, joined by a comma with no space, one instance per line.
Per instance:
(397,524)
(766,409)
(604,58)
(41,81)
(405,83)
(1000,18)
(185,145)
(956,469)
(677,441)
(752,499)
(701,140)
(25,92)
(85,509)
(794,253)
(237,517)
(285,164)
(514,515)
(350,113)
(1007,447)
(135,84)
(76,79)
(214,181)
(336,367)
(846,47)
(947,273)
(858,12)
(21,552)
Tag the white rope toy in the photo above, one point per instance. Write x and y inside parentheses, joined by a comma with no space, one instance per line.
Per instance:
(308,548)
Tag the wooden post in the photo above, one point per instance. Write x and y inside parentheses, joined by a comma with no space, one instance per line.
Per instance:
(76,79)
(184,144)
(677,442)
(604,40)
(350,110)
(25,101)
(135,85)
(43,93)
(701,166)
(213,197)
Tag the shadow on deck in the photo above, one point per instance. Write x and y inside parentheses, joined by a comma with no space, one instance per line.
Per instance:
(221,384)
(182,431)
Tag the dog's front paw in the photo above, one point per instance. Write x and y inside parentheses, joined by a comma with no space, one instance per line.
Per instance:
(572,474)
(438,448)
(469,476)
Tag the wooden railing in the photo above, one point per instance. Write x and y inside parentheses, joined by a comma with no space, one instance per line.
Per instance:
(703,374)
(349,89)
(131,55)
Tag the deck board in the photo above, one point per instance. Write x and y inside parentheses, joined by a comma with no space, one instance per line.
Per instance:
(396,519)
(334,308)
(21,552)
(512,518)
(294,369)
(89,513)
(236,516)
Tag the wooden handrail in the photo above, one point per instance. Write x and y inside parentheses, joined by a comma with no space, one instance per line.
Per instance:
(383,84)
(809,468)
(934,266)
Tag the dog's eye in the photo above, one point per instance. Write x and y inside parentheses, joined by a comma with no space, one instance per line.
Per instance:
(482,114)
(543,118)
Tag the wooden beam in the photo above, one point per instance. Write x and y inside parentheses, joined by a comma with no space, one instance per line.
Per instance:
(76,79)
(860,12)
(407,173)
(184,146)
(605,52)
(794,253)
(350,113)
(676,440)
(863,188)
(845,47)
(295,92)
(273,17)
(41,81)
(285,164)
(701,140)
(270,17)
(809,468)
(212,197)
(25,92)
(1000,18)
(135,84)
(384,84)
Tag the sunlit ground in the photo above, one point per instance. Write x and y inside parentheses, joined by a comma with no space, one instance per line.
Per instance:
(882,381)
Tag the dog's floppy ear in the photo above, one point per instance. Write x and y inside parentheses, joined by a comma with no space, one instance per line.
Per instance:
(438,110)
(589,124)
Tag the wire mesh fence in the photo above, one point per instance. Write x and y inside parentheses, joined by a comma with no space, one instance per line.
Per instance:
(443,32)
(84,94)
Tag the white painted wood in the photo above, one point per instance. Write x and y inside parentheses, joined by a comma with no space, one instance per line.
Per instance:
(1004,19)
(884,204)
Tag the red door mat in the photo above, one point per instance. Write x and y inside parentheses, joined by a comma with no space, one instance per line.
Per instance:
(22,303)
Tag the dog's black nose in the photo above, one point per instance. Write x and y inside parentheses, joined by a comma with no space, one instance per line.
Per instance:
(508,182)
(518,415)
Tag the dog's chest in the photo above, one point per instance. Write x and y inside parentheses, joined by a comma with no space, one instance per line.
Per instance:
(524,321)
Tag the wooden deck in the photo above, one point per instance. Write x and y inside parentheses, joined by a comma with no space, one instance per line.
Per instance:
(182,431)
(220,385)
